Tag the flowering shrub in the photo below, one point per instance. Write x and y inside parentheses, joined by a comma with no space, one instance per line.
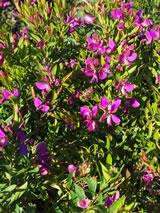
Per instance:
(80,117)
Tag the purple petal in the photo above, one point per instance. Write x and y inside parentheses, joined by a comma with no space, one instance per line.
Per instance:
(104,102)
(129,87)
(6,94)
(132,57)
(102,75)
(88,19)
(86,112)
(154,33)
(134,103)
(2,134)
(115,104)
(109,120)
(111,44)
(94,110)
(16,93)
(45,108)
(41,85)
(20,135)
(23,149)
(41,147)
(115,119)
(83,203)
(149,37)
(37,102)
(109,202)
(159,77)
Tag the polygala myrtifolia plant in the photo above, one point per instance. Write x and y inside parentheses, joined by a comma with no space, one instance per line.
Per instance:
(79,108)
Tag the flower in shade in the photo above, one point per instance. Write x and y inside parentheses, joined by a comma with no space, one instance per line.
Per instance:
(130,102)
(89,116)
(23,141)
(3,139)
(71,168)
(83,203)
(110,200)
(1,59)
(88,19)
(43,158)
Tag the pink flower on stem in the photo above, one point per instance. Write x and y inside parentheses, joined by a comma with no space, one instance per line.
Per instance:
(112,46)
(6,95)
(95,44)
(111,108)
(110,200)
(38,104)
(89,115)
(127,57)
(117,14)
(130,102)
(90,70)
(71,168)
(83,203)
(3,139)
(88,19)
(104,71)
(124,87)
(151,35)
(1,59)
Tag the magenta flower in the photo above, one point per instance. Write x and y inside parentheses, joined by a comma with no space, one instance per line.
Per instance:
(130,102)
(148,178)
(95,44)
(110,200)
(4,4)
(124,87)
(104,71)
(127,57)
(111,108)
(71,168)
(38,104)
(7,95)
(88,19)
(159,78)
(3,139)
(89,116)
(83,203)
(112,46)
(1,59)
(40,44)
(117,14)
(151,35)
(90,70)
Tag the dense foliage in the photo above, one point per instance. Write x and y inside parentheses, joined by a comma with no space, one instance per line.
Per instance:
(79,107)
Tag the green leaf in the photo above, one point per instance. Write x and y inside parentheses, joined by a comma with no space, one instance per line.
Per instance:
(105,172)
(109,159)
(79,192)
(69,179)
(134,30)
(92,186)
(21,190)
(9,188)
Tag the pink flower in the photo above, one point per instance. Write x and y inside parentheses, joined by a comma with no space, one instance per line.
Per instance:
(71,168)
(88,19)
(83,203)
(111,108)
(124,87)
(117,14)
(1,59)
(38,104)
(110,200)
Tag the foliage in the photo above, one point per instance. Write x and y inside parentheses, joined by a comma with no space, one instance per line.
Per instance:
(79,108)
